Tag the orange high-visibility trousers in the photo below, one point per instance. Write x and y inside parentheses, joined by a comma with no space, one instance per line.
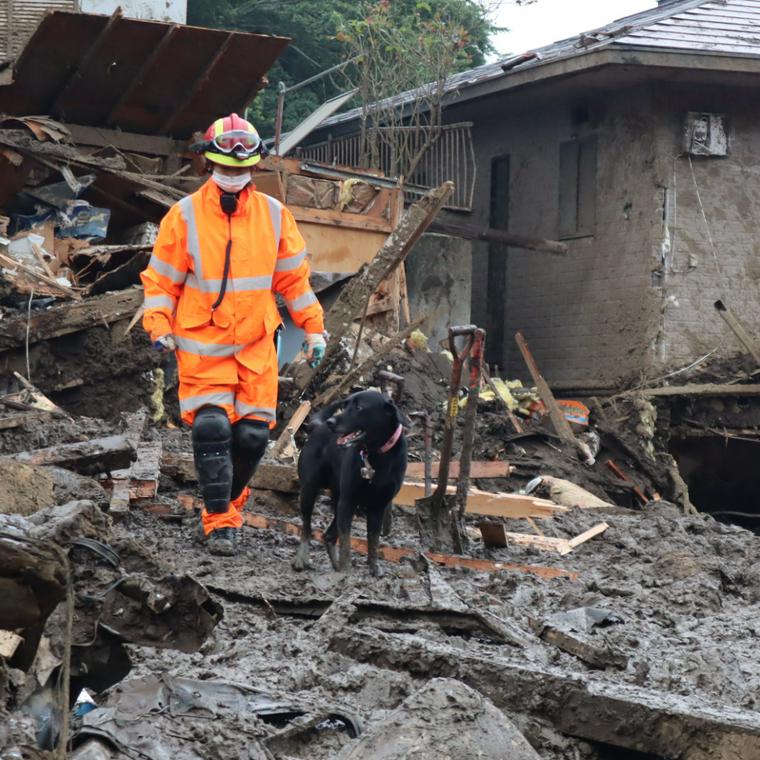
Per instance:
(253,396)
(232,518)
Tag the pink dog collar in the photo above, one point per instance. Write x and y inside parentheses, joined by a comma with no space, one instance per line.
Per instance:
(393,440)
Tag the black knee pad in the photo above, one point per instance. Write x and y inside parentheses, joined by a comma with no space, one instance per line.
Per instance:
(249,442)
(212,449)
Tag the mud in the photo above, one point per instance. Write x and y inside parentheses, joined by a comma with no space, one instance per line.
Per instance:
(683,588)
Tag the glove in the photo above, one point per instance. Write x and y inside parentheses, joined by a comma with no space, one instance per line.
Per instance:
(165,344)
(314,347)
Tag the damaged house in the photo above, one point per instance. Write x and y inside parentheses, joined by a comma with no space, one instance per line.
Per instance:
(634,145)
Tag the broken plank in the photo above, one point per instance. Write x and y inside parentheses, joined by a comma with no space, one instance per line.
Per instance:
(145,471)
(738,329)
(494,534)
(66,318)
(597,657)
(393,553)
(284,446)
(17,420)
(477,469)
(588,534)
(119,504)
(479,502)
(86,457)
(631,717)
(492,235)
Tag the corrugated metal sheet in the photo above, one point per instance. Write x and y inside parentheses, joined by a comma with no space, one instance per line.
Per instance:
(19,18)
(727,27)
(148,77)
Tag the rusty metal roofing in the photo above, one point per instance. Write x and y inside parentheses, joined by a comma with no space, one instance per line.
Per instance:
(148,77)
(701,27)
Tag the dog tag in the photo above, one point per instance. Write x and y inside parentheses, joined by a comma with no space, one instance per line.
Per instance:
(367,472)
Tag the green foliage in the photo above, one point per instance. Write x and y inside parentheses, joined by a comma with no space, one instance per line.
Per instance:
(319,40)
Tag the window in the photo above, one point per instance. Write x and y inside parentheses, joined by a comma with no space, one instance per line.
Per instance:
(577,187)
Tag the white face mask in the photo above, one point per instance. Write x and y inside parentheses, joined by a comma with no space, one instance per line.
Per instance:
(231,183)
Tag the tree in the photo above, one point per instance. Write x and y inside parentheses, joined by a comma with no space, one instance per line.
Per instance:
(315,30)
(413,52)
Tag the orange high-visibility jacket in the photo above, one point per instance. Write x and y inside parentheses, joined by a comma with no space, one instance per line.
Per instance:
(184,276)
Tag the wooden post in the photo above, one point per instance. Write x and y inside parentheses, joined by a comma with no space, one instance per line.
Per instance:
(559,421)
(284,442)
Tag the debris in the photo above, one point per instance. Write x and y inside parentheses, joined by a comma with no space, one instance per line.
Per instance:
(445,718)
(568,494)
(561,425)
(88,457)
(285,446)
(635,718)
(440,518)
(393,553)
(639,493)
(351,302)
(494,534)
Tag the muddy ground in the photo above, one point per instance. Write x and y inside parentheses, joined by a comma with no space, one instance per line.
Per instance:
(685,590)
(682,595)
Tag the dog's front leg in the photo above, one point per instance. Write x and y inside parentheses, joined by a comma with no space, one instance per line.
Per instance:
(344,518)
(308,497)
(375,522)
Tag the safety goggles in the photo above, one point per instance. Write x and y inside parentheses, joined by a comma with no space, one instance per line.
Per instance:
(238,143)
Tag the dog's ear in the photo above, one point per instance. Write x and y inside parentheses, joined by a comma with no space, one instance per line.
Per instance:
(394,411)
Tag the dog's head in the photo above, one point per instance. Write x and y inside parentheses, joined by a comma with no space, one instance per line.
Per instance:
(367,415)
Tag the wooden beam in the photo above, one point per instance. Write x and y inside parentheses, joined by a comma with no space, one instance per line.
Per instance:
(624,715)
(738,329)
(63,319)
(98,137)
(559,421)
(86,457)
(510,505)
(478,469)
(84,64)
(695,389)
(491,235)
(284,445)
(334,218)
(139,78)
(200,82)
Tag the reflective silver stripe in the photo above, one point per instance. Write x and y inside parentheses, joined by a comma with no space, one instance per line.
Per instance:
(307,299)
(275,212)
(157,302)
(206,349)
(193,243)
(247,283)
(236,284)
(166,270)
(196,402)
(290,263)
(244,409)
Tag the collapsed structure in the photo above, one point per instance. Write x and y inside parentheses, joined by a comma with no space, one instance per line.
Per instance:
(558,592)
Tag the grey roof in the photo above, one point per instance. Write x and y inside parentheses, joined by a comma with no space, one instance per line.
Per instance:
(710,27)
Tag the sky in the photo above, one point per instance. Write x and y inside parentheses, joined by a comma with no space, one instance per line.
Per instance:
(546,21)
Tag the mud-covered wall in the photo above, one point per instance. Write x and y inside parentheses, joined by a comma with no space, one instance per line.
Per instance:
(590,317)
(696,273)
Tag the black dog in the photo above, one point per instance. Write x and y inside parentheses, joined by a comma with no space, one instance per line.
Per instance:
(360,455)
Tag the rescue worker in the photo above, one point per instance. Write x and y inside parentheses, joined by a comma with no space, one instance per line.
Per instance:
(220,256)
